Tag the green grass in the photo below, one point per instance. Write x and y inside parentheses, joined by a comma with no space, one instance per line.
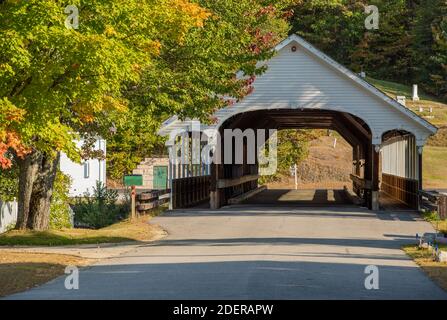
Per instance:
(137,230)
(439,225)
(435,167)
(394,89)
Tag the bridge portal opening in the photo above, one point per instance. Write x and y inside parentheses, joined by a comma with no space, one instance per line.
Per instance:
(350,129)
(313,169)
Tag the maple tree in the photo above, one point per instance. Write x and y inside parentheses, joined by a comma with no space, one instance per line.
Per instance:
(58,84)
(195,77)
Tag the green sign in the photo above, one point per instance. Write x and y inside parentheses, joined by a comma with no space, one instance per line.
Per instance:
(133,180)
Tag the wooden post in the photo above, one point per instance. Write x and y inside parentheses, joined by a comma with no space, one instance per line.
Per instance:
(170,178)
(133,202)
(296,176)
(375,177)
(420,182)
(214,192)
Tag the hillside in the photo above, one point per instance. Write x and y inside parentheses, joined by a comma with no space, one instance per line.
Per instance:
(327,165)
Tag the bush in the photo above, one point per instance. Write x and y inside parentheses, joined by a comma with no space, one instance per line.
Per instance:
(431,216)
(60,216)
(99,209)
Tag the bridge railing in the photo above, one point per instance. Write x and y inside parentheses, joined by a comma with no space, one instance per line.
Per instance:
(190,191)
(435,202)
(147,201)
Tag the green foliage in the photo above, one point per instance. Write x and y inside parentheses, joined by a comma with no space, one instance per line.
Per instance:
(69,81)
(60,202)
(335,26)
(292,148)
(431,216)
(430,46)
(190,79)
(100,208)
(9,183)
(410,45)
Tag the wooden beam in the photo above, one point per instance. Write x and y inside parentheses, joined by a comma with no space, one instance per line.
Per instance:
(357,125)
(246,195)
(226,183)
(346,133)
(363,183)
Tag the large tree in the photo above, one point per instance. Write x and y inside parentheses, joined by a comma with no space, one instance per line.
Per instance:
(194,77)
(409,46)
(429,46)
(57,83)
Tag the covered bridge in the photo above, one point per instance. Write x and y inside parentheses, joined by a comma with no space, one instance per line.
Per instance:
(304,88)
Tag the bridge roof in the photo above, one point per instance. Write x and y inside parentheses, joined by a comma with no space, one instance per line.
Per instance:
(306,78)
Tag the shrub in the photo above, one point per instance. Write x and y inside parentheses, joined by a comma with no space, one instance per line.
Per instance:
(431,216)
(99,209)
(60,216)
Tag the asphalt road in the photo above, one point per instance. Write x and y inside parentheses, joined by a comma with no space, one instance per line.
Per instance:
(262,253)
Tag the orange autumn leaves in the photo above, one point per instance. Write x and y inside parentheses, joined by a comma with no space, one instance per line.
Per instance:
(82,82)
(197,13)
(10,116)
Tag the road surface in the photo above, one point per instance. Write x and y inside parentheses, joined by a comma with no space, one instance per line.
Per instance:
(244,252)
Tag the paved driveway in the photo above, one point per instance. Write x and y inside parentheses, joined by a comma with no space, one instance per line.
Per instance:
(262,253)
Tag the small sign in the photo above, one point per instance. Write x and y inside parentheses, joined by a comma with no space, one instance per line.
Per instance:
(133,180)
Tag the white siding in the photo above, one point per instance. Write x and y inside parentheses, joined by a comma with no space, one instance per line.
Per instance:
(8,214)
(97,171)
(302,80)
(400,157)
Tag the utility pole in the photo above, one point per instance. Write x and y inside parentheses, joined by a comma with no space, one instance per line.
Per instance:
(133,195)
(296,176)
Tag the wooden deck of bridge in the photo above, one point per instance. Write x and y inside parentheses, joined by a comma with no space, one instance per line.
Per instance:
(285,197)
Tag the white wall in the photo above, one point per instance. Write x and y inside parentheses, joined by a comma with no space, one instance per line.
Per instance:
(300,80)
(97,171)
(400,157)
(8,214)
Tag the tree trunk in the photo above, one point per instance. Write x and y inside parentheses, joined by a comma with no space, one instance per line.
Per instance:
(28,168)
(36,181)
(39,216)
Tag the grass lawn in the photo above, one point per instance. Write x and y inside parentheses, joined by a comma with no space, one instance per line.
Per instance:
(435,167)
(397,89)
(22,271)
(137,230)
(394,89)
(441,226)
(435,270)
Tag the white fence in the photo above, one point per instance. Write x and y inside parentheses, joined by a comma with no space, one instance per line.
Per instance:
(8,214)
